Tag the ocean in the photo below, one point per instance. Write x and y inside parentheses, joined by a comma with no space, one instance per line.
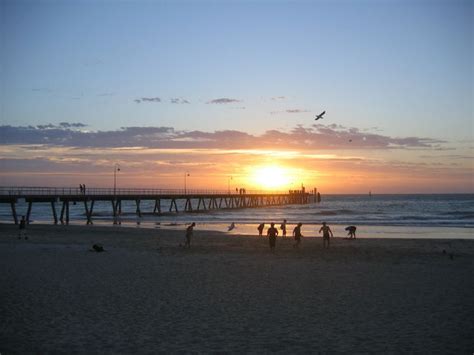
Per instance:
(434,215)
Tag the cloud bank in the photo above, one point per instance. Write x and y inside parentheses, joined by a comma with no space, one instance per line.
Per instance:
(318,136)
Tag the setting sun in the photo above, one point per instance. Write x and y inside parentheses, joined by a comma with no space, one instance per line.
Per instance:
(271,177)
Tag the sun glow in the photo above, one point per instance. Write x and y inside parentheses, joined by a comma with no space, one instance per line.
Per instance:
(271,177)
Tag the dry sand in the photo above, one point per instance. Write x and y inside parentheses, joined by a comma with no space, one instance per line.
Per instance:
(231,294)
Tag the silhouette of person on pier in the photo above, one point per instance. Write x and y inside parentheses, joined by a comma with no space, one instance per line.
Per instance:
(326,232)
(272,233)
(260,229)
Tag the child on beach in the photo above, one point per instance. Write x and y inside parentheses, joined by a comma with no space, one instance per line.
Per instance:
(326,232)
(189,234)
(272,233)
(297,235)
(260,229)
(283,228)
(352,232)
(22,228)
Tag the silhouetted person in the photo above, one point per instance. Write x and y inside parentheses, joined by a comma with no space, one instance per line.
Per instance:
(22,228)
(80,188)
(352,231)
(326,232)
(232,226)
(283,228)
(297,235)
(260,229)
(189,235)
(272,233)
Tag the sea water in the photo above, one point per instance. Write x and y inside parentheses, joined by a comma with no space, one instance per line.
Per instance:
(416,216)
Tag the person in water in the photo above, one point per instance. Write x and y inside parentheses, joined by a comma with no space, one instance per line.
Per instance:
(189,235)
(272,233)
(297,235)
(260,229)
(326,233)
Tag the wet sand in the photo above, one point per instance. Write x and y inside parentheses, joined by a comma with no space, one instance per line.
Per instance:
(231,294)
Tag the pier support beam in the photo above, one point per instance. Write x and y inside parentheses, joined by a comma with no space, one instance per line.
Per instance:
(28,212)
(157,206)
(173,204)
(64,209)
(201,200)
(188,207)
(55,216)
(139,212)
(89,211)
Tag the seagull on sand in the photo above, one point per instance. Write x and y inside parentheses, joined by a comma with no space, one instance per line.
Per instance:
(320,116)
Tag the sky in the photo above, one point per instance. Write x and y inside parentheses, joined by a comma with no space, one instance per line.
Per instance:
(227,92)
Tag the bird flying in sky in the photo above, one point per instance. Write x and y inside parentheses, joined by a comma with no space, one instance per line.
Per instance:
(320,116)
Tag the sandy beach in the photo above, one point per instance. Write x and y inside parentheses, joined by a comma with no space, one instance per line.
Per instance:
(231,294)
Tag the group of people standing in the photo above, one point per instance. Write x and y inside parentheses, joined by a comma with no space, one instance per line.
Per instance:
(272,233)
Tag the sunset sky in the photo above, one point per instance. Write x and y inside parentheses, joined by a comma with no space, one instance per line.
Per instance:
(227,91)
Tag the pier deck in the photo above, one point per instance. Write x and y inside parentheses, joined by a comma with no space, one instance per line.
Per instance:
(164,200)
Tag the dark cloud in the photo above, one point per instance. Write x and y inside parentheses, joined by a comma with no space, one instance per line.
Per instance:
(318,137)
(72,125)
(294,110)
(178,100)
(147,99)
(223,100)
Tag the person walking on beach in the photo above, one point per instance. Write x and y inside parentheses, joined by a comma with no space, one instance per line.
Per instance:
(22,229)
(283,228)
(297,235)
(260,229)
(272,233)
(189,235)
(326,232)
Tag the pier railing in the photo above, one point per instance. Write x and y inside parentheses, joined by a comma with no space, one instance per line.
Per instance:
(105,191)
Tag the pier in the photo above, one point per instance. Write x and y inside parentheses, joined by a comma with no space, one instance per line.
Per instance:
(163,200)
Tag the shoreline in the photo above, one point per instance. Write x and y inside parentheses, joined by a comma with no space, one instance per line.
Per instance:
(310,230)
